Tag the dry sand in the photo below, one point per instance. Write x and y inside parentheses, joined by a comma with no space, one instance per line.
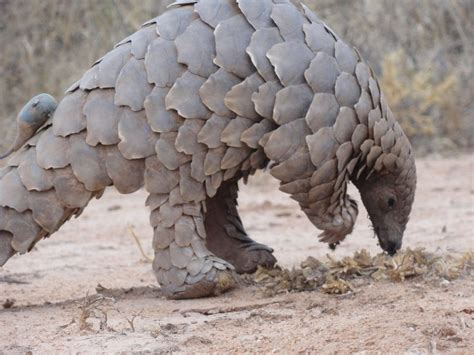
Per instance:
(96,252)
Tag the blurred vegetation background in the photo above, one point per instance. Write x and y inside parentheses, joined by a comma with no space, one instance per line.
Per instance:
(421,50)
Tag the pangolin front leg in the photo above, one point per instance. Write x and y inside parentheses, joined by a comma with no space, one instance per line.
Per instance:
(226,236)
(183,265)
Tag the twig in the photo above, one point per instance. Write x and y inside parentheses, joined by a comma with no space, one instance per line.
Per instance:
(217,310)
(131,320)
(137,240)
(10,280)
(91,307)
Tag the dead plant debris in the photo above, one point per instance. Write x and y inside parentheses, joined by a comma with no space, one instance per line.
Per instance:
(9,303)
(94,308)
(338,276)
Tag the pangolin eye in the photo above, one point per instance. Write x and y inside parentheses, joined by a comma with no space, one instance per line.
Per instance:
(391,202)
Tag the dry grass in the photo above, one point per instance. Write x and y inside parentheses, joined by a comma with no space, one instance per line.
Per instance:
(422,51)
(362,269)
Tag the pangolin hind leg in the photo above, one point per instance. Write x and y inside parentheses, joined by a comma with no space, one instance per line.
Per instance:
(226,236)
(183,265)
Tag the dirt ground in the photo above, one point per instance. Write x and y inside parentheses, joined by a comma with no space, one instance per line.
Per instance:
(44,293)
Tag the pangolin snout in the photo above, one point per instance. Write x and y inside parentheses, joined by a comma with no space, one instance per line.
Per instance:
(389,241)
(391,247)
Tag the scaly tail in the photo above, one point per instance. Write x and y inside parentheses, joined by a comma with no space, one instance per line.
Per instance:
(53,177)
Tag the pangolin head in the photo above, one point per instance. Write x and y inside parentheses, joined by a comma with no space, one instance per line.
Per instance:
(388,196)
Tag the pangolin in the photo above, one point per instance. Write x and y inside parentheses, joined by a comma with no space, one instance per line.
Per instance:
(196,99)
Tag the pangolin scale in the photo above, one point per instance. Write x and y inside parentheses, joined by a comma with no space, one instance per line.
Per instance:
(199,97)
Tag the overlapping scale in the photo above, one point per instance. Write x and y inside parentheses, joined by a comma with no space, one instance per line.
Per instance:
(90,79)
(231,45)
(254,133)
(261,42)
(298,166)
(52,151)
(286,140)
(323,112)
(140,40)
(187,138)
(212,162)
(318,39)
(344,155)
(32,175)
(360,134)
(347,90)
(132,86)
(190,188)
(69,118)
(70,192)
(158,178)
(184,97)
(161,63)
(264,98)
(345,57)
(214,12)
(88,163)
(167,153)
(363,74)
(126,174)
(257,13)
(214,90)
(325,173)
(13,193)
(290,22)
(51,218)
(102,117)
(239,98)
(322,145)
(363,107)
(323,73)
(292,103)
(346,123)
(22,227)
(290,72)
(137,140)
(197,165)
(172,23)
(196,48)
(159,118)
(110,66)
(210,134)
(231,135)
(234,156)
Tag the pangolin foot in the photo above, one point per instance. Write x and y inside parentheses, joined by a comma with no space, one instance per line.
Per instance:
(219,279)
(253,256)
(226,235)
(244,253)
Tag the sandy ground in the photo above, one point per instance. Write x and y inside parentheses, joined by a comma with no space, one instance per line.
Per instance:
(97,254)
